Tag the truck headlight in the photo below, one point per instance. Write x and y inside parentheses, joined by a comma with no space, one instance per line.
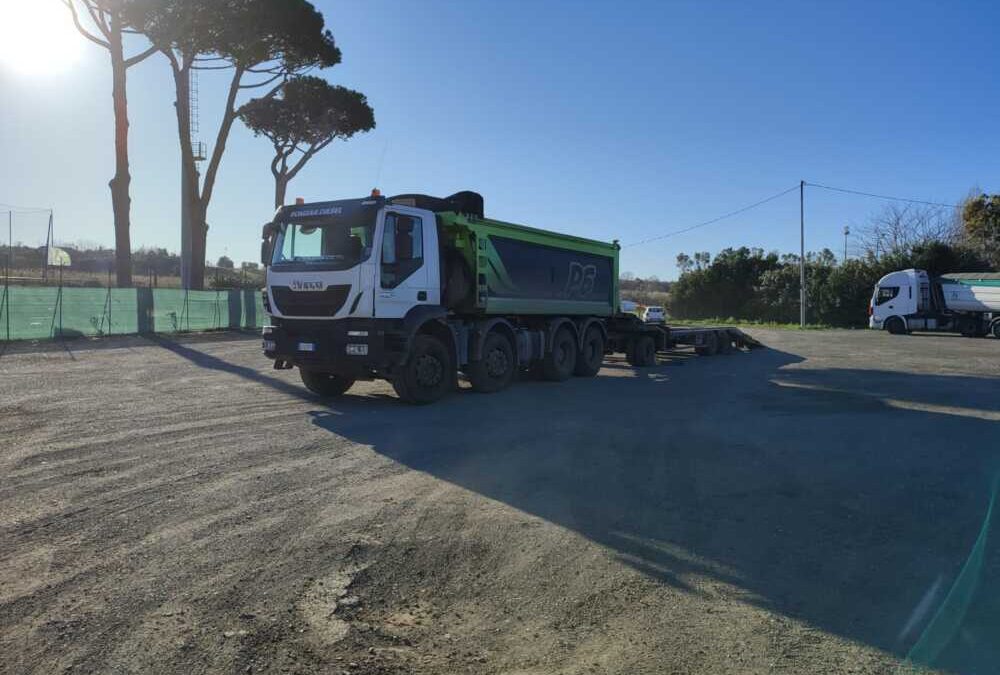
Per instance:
(357,350)
(270,345)
(266,330)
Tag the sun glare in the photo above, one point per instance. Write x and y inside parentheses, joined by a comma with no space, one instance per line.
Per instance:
(37,37)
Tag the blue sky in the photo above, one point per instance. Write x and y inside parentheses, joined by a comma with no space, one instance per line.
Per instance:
(614,120)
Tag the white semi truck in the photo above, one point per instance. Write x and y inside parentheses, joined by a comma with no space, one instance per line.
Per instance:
(414,288)
(965,302)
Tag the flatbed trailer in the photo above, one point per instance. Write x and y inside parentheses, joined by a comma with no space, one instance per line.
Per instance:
(416,289)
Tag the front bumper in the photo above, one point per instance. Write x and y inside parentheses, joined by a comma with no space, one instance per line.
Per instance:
(874,323)
(323,345)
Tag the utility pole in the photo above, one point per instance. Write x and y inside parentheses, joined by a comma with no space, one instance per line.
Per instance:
(847,231)
(802,254)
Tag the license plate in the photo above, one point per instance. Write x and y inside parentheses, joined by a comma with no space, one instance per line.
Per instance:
(307,346)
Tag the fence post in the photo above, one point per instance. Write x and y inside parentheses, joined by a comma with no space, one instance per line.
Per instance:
(59,299)
(6,293)
(110,332)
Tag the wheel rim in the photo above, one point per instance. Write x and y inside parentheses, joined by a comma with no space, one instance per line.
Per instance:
(562,354)
(429,371)
(497,363)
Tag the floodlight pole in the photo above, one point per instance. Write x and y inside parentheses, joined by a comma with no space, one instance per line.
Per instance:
(802,254)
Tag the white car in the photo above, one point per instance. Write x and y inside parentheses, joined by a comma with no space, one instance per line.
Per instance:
(654,315)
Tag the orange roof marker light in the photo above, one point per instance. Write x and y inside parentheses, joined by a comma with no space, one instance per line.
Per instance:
(299,201)
(376,192)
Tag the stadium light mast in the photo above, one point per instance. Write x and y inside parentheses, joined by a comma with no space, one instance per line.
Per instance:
(199,151)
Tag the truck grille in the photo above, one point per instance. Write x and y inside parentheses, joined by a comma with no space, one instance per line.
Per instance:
(309,303)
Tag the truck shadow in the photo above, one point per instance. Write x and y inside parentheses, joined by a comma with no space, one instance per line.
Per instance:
(834,496)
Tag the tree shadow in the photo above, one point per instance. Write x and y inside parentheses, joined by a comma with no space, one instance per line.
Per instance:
(834,496)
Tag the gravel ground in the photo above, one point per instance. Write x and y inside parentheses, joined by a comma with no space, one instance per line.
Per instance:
(176,506)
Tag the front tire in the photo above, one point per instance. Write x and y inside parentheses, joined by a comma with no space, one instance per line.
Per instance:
(995,328)
(591,356)
(895,326)
(428,373)
(560,362)
(325,384)
(496,368)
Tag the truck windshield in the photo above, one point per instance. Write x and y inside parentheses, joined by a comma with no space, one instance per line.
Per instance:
(336,244)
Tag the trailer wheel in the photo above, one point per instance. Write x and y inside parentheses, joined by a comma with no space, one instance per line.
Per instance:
(725,342)
(560,362)
(496,369)
(591,356)
(325,384)
(642,352)
(711,345)
(967,327)
(428,374)
(895,325)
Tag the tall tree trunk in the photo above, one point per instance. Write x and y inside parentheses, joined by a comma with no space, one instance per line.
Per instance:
(121,202)
(199,236)
(199,224)
(280,188)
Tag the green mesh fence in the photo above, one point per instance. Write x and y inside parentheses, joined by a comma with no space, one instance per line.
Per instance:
(32,313)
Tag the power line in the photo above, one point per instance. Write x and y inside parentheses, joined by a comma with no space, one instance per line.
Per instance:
(715,220)
(886,197)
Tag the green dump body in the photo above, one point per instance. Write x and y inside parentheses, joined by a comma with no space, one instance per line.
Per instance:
(519,270)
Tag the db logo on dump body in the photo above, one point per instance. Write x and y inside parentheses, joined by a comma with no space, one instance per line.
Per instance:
(581,280)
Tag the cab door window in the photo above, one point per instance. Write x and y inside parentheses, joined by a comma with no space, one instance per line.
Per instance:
(885,294)
(402,248)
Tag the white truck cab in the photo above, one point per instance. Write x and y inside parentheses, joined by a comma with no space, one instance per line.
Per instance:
(897,297)
(355,259)
(910,300)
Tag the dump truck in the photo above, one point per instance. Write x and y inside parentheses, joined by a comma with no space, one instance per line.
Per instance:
(415,289)
(962,302)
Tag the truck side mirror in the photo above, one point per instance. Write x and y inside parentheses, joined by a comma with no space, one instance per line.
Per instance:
(267,236)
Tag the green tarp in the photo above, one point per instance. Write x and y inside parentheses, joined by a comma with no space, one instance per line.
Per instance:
(32,313)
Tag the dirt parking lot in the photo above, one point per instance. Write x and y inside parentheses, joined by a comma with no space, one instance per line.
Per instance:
(176,506)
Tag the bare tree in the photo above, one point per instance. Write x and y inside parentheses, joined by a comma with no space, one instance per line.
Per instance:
(898,228)
(108,26)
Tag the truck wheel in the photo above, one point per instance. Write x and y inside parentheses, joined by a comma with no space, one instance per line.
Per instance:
(428,373)
(560,362)
(591,356)
(995,328)
(496,369)
(710,346)
(325,384)
(895,325)
(642,352)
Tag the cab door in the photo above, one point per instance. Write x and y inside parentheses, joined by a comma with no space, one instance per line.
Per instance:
(408,262)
